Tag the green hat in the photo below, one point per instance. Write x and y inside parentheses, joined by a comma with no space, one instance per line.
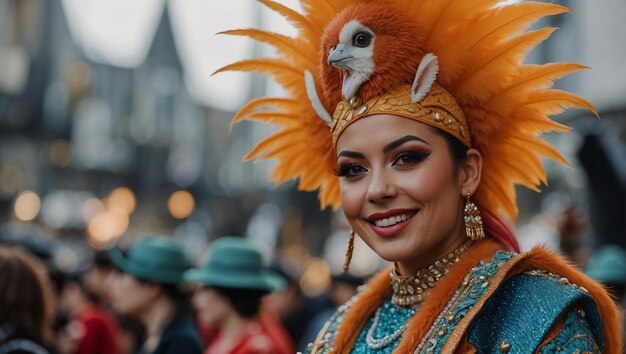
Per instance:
(153,258)
(235,263)
(608,265)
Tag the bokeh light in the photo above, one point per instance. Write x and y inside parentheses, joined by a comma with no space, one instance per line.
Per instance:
(106,227)
(181,204)
(91,208)
(122,198)
(27,206)
(316,277)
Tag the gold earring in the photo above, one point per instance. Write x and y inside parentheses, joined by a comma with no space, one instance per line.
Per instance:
(348,258)
(473,222)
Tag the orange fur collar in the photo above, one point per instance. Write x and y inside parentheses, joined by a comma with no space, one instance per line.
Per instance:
(379,288)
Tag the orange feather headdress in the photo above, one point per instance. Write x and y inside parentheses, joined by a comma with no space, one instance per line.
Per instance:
(475,49)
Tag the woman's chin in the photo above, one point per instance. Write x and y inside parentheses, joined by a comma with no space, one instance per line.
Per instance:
(392,254)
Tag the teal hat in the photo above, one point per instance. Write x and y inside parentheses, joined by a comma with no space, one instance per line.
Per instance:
(608,265)
(233,262)
(153,258)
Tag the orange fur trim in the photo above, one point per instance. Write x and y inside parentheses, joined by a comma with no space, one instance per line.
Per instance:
(379,288)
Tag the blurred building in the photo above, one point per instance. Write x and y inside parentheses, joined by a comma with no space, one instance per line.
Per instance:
(91,136)
(78,123)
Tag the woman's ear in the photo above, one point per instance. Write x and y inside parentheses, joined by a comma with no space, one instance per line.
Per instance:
(470,172)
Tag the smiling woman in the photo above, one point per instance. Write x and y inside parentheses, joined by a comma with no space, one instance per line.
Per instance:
(428,116)
(395,186)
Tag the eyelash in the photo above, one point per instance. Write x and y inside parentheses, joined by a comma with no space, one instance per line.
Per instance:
(416,156)
(344,169)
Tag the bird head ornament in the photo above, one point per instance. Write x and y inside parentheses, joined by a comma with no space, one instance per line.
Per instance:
(456,65)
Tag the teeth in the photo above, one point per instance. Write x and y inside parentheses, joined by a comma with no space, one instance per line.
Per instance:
(392,220)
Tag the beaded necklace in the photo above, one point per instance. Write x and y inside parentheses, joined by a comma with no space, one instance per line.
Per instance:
(387,314)
(409,290)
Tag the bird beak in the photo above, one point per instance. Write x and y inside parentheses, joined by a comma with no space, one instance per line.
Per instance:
(339,57)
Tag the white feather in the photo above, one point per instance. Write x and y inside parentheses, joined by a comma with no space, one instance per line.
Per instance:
(311,92)
(424,77)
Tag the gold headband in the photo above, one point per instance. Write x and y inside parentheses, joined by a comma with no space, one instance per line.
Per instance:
(438,109)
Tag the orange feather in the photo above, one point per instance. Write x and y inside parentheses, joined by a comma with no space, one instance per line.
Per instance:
(480,48)
(297,51)
(285,104)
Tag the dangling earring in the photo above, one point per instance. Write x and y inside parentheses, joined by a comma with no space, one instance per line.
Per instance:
(473,222)
(348,258)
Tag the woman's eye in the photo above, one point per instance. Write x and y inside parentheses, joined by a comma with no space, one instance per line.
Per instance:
(362,39)
(349,170)
(410,158)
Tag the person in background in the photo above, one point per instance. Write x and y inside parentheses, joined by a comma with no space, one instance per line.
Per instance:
(342,288)
(94,278)
(131,334)
(147,285)
(93,325)
(25,313)
(571,225)
(233,281)
(294,309)
(608,266)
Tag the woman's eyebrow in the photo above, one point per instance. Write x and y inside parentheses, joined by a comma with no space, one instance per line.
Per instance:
(394,144)
(353,154)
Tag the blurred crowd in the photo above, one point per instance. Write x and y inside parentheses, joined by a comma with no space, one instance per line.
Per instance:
(149,298)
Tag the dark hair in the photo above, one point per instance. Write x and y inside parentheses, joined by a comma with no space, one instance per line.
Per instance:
(24,298)
(174,292)
(101,259)
(458,150)
(246,302)
(133,327)
(494,225)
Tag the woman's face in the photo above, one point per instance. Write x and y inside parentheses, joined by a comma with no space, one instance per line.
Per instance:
(400,189)
(130,296)
(212,308)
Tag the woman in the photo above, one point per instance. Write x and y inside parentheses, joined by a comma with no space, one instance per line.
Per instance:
(25,313)
(429,118)
(233,281)
(147,286)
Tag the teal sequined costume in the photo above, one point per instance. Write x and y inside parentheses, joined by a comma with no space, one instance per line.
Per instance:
(516,318)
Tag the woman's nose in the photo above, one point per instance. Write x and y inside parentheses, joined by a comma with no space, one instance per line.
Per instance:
(381,187)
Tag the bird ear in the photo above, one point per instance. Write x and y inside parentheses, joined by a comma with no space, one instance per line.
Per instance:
(424,77)
(316,103)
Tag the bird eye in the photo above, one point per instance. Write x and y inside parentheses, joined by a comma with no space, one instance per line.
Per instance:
(361,39)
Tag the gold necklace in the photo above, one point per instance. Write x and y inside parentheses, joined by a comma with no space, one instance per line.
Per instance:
(409,290)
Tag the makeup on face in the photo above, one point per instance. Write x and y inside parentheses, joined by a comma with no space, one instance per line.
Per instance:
(399,186)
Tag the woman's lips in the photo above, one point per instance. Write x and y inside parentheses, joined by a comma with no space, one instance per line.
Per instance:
(391,223)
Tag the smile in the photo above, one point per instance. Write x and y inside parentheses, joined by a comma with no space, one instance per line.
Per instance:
(392,222)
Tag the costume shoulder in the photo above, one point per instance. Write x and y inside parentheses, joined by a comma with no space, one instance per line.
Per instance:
(546,301)
(524,309)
